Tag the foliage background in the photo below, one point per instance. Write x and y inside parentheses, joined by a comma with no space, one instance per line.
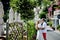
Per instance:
(25,8)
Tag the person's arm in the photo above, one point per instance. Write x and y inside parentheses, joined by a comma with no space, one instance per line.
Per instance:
(43,27)
(36,26)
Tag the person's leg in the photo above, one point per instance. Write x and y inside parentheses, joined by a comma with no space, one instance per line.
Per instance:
(44,36)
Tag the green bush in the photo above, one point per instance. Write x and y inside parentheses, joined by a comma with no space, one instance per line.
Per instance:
(58,27)
(31,29)
(42,15)
(24,7)
(50,23)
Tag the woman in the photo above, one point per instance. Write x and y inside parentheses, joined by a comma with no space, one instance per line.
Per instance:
(39,32)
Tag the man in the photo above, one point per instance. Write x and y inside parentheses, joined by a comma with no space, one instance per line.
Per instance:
(43,29)
(39,32)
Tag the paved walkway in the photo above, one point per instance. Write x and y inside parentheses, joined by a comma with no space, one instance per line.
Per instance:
(57,31)
(53,35)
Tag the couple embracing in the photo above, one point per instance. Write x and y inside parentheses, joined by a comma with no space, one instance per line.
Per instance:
(41,29)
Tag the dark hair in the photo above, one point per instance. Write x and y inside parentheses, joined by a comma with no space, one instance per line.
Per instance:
(43,19)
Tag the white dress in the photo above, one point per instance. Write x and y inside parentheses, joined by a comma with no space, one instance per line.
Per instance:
(39,34)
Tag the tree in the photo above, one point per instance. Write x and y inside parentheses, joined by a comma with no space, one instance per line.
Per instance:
(27,10)
(24,7)
(6,7)
(42,15)
(44,7)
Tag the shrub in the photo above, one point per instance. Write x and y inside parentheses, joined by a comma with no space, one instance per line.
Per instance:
(42,15)
(58,27)
(31,29)
(50,23)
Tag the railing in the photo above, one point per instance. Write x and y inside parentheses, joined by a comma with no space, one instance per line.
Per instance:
(15,31)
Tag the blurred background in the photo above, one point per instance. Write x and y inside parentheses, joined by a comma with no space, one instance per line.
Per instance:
(18,18)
